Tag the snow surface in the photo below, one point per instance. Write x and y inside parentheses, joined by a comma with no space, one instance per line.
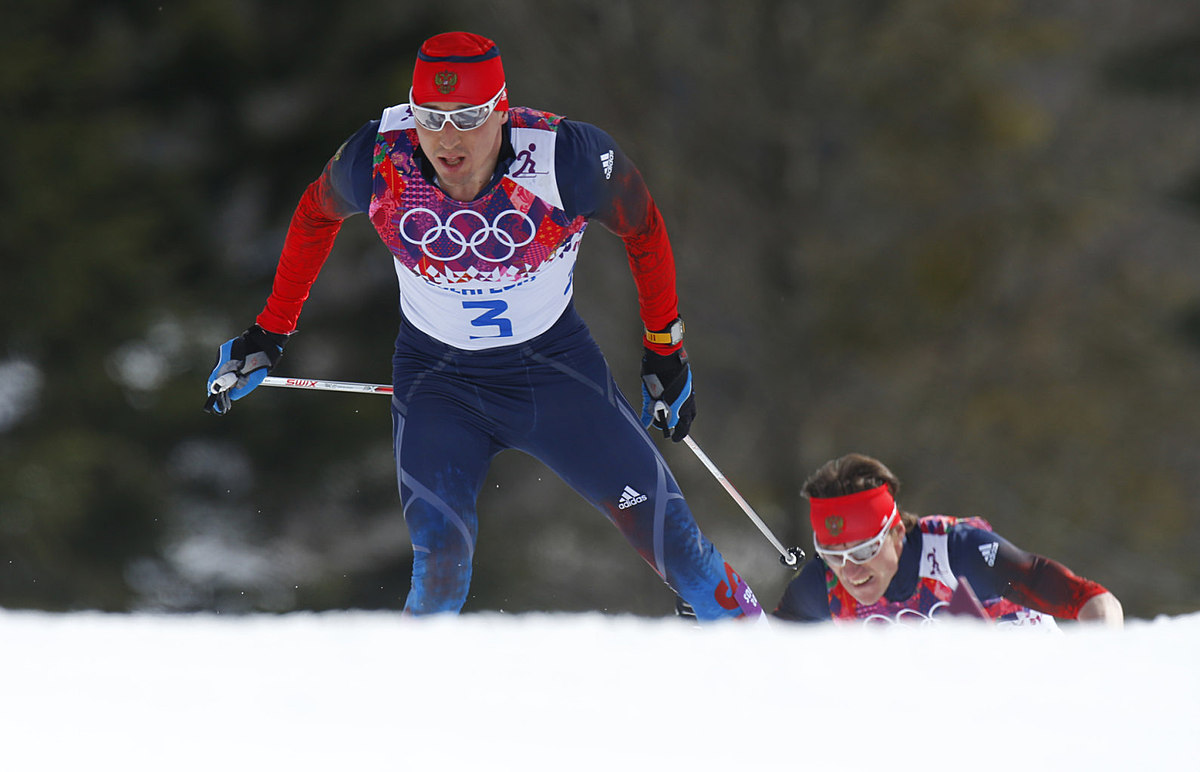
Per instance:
(375,691)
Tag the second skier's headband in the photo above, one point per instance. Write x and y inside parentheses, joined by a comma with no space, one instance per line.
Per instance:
(459,67)
(853,517)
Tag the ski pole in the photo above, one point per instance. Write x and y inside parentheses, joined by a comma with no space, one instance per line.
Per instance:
(308,383)
(789,556)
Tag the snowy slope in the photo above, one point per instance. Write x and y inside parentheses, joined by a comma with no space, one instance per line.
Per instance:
(371,691)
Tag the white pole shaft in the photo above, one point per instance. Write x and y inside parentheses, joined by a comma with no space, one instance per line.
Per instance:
(704,459)
(347,386)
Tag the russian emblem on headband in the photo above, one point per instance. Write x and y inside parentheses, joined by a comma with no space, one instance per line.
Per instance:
(446,81)
(834,524)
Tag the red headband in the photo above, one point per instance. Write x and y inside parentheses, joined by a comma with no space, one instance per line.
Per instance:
(458,67)
(854,517)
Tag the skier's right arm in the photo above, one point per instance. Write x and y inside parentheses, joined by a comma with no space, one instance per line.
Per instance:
(342,189)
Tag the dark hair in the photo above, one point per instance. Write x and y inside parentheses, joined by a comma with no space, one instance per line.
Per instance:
(852,473)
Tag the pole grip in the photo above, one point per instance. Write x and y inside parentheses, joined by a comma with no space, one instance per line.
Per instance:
(223,383)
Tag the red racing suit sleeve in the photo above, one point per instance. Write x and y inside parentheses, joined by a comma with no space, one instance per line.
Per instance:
(996,567)
(341,190)
(1043,584)
(635,218)
(606,186)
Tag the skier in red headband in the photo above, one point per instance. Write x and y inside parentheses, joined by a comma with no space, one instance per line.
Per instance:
(879,563)
(483,206)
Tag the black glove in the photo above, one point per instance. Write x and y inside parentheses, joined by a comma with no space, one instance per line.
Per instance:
(668,401)
(242,363)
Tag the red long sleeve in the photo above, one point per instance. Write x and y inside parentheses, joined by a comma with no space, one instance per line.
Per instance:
(630,213)
(653,265)
(1044,584)
(314,227)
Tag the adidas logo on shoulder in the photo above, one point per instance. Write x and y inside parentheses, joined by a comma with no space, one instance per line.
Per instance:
(630,498)
(989,552)
(606,160)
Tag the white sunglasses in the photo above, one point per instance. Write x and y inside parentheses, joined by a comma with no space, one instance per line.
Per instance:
(862,553)
(464,118)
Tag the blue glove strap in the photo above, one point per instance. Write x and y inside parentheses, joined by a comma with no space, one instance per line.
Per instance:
(647,407)
(684,393)
(248,383)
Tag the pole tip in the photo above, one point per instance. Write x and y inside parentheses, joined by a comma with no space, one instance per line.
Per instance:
(792,557)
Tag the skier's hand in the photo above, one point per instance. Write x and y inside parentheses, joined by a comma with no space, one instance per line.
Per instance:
(242,363)
(667,398)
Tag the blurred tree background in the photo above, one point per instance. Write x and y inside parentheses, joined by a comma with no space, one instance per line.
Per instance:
(959,235)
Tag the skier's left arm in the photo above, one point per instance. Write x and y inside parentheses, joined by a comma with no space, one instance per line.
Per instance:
(1033,580)
(606,186)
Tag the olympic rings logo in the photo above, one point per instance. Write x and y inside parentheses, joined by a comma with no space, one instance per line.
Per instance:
(435,231)
(908,616)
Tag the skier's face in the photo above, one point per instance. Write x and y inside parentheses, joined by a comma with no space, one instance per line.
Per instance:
(463,160)
(867,582)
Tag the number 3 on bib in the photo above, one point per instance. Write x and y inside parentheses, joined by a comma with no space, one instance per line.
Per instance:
(491,317)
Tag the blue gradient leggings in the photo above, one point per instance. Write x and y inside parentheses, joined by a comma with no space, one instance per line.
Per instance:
(555,399)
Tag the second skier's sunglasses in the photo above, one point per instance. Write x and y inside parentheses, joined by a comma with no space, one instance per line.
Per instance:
(862,553)
(464,118)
